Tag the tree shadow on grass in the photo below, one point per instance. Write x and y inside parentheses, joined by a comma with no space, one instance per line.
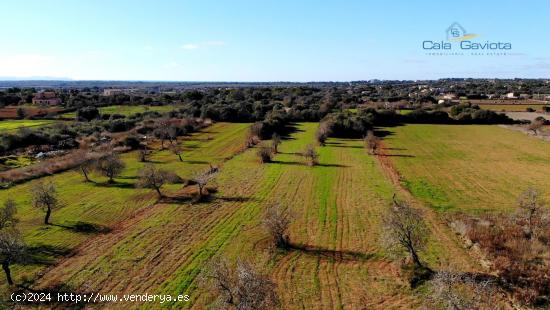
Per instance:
(116,184)
(332,255)
(195,162)
(297,163)
(85,227)
(44,254)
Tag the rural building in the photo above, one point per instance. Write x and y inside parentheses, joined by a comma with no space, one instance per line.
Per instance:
(449,96)
(47,98)
(511,96)
(112,91)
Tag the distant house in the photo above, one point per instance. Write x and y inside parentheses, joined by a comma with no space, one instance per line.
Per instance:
(512,96)
(46,98)
(449,96)
(112,91)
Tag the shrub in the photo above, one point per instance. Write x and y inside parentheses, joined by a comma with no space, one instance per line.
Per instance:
(265,154)
(310,155)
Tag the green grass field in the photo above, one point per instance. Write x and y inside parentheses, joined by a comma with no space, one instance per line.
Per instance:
(127,110)
(336,260)
(468,168)
(10,125)
(104,205)
(512,107)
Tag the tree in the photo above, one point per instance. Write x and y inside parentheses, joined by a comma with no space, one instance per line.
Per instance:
(151,177)
(311,155)
(532,206)
(275,142)
(7,214)
(322,133)
(177,150)
(265,154)
(404,229)
(276,221)
(142,154)
(12,249)
(536,125)
(44,196)
(110,166)
(88,164)
(21,113)
(240,286)
(456,291)
(371,142)
(204,177)
(87,113)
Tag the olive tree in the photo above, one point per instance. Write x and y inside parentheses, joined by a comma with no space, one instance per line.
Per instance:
(44,196)
(177,150)
(456,291)
(203,178)
(12,249)
(405,230)
(110,166)
(536,125)
(371,142)
(276,221)
(275,142)
(7,214)
(240,286)
(533,211)
(264,154)
(310,155)
(151,177)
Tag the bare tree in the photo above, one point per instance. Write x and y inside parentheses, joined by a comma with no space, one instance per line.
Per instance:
(275,142)
(532,207)
(456,291)
(404,229)
(240,286)
(253,136)
(276,221)
(88,164)
(177,150)
(311,155)
(7,214)
(110,166)
(142,154)
(162,131)
(265,154)
(12,248)
(536,125)
(371,142)
(44,196)
(322,133)
(204,177)
(151,177)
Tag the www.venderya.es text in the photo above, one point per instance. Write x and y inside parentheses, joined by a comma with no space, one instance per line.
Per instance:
(96,298)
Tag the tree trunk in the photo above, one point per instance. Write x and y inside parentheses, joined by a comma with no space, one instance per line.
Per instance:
(85,174)
(6,267)
(180,157)
(47,218)
(158,191)
(415,258)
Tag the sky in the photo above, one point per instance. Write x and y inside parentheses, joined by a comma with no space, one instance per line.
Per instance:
(268,40)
